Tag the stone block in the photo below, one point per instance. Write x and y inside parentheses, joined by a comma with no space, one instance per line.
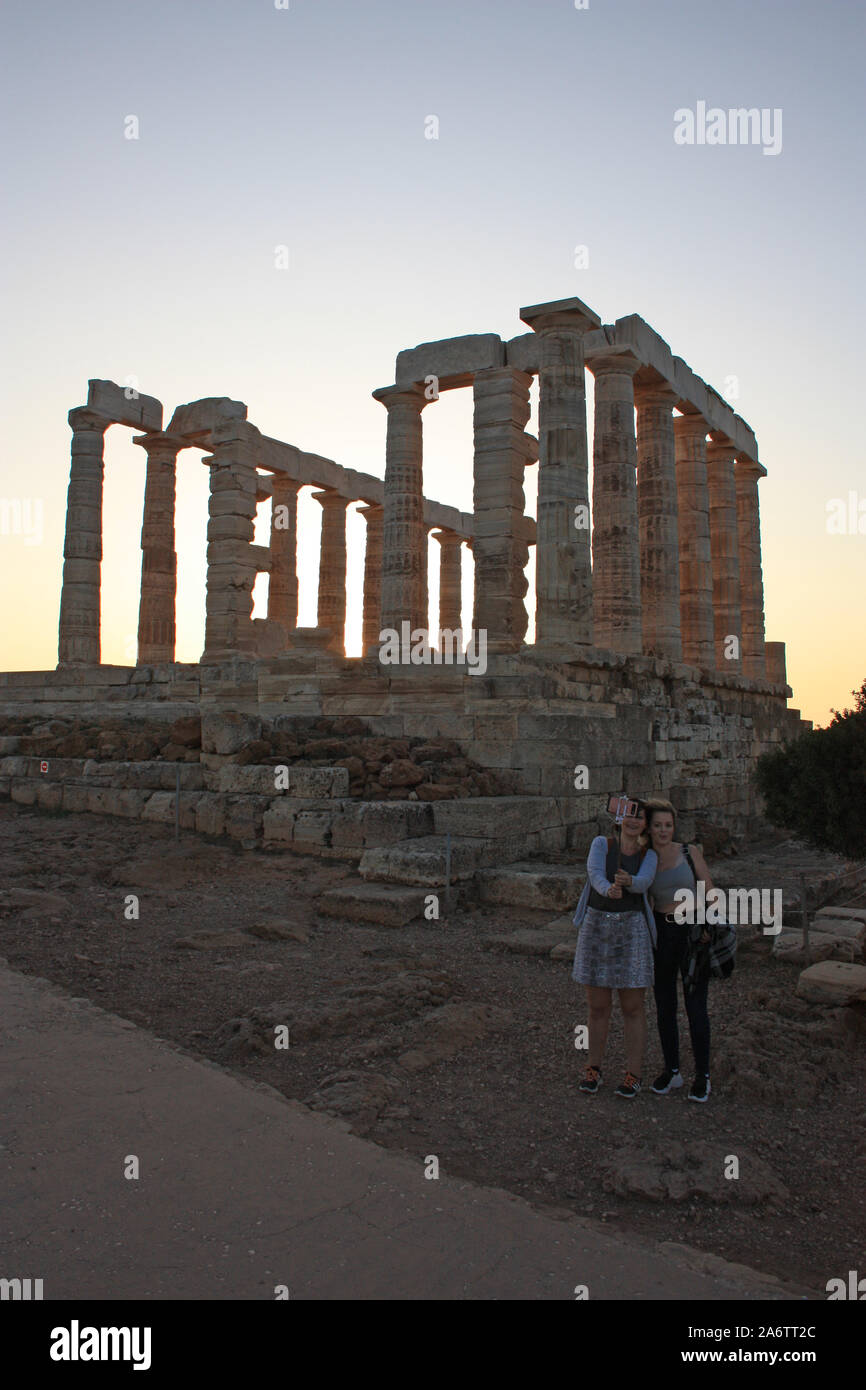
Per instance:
(832,982)
(851,930)
(200,417)
(453,360)
(210,817)
(843,914)
(788,945)
(494,817)
(382,904)
(533,941)
(522,353)
(24,792)
(108,399)
(228,732)
(422,861)
(531,885)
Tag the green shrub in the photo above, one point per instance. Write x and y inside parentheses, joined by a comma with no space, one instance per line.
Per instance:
(816,785)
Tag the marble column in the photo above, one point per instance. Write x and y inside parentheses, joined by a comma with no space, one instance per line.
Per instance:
(283,585)
(501,554)
(402,524)
(332,567)
(450,580)
(725,548)
(82,549)
(374,515)
(423,578)
(616,605)
(156,613)
(746,476)
(696,567)
(658,522)
(563,560)
(231,559)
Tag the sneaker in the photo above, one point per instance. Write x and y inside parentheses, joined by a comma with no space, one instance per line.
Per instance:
(591,1081)
(700,1089)
(668,1081)
(629,1087)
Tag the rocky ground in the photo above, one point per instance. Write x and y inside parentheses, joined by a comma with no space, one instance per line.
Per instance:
(428,1039)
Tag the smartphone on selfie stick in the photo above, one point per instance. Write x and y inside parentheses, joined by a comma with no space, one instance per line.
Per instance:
(619,805)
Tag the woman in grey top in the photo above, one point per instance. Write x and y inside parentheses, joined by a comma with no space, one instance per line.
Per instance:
(675,874)
(615,947)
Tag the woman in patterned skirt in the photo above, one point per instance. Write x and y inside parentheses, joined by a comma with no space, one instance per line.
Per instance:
(615,947)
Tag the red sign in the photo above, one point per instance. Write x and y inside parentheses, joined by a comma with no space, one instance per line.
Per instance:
(43,767)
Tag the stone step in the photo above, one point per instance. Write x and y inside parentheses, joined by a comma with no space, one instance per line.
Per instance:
(383,904)
(788,945)
(832,982)
(536,941)
(422,861)
(532,885)
(850,927)
(844,914)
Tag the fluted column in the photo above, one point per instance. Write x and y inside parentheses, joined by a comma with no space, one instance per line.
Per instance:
(156,613)
(403,506)
(82,548)
(231,559)
(746,476)
(696,568)
(501,554)
(423,578)
(724,544)
(658,522)
(450,580)
(563,558)
(332,567)
(283,586)
(615,543)
(373,515)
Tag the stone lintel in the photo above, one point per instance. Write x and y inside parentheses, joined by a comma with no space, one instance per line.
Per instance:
(156,438)
(198,419)
(108,399)
(560,313)
(453,361)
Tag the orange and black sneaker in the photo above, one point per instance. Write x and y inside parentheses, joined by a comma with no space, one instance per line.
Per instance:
(628,1088)
(591,1081)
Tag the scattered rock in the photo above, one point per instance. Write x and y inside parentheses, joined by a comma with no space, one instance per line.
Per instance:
(359,1097)
(211,941)
(684,1171)
(274,929)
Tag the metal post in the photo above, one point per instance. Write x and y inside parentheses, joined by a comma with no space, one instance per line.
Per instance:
(177,803)
(448,868)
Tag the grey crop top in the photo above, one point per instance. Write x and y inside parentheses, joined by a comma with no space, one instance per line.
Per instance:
(667,881)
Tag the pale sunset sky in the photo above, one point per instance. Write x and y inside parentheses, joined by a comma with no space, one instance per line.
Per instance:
(152,261)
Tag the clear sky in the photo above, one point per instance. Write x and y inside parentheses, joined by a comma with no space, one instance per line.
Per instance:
(153,259)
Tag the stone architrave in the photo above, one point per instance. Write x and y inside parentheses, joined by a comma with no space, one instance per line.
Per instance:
(232,560)
(332,567)
(450,581)
(616,598)
(82,549)
(696,566)
(746,476)
(156,613)
(725,547)
(658,522)
(402,526)
(563,559)
(501,553)
(283,585)
(373,513)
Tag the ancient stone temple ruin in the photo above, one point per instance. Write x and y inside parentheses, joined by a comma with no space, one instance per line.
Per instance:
(649,671)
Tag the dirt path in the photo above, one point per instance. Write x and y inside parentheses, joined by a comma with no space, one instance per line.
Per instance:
(428,1042)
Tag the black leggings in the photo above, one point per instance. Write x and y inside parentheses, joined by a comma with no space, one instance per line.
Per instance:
(668,964)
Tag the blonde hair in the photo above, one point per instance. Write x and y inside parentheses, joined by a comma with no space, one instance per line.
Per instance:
(658,803)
